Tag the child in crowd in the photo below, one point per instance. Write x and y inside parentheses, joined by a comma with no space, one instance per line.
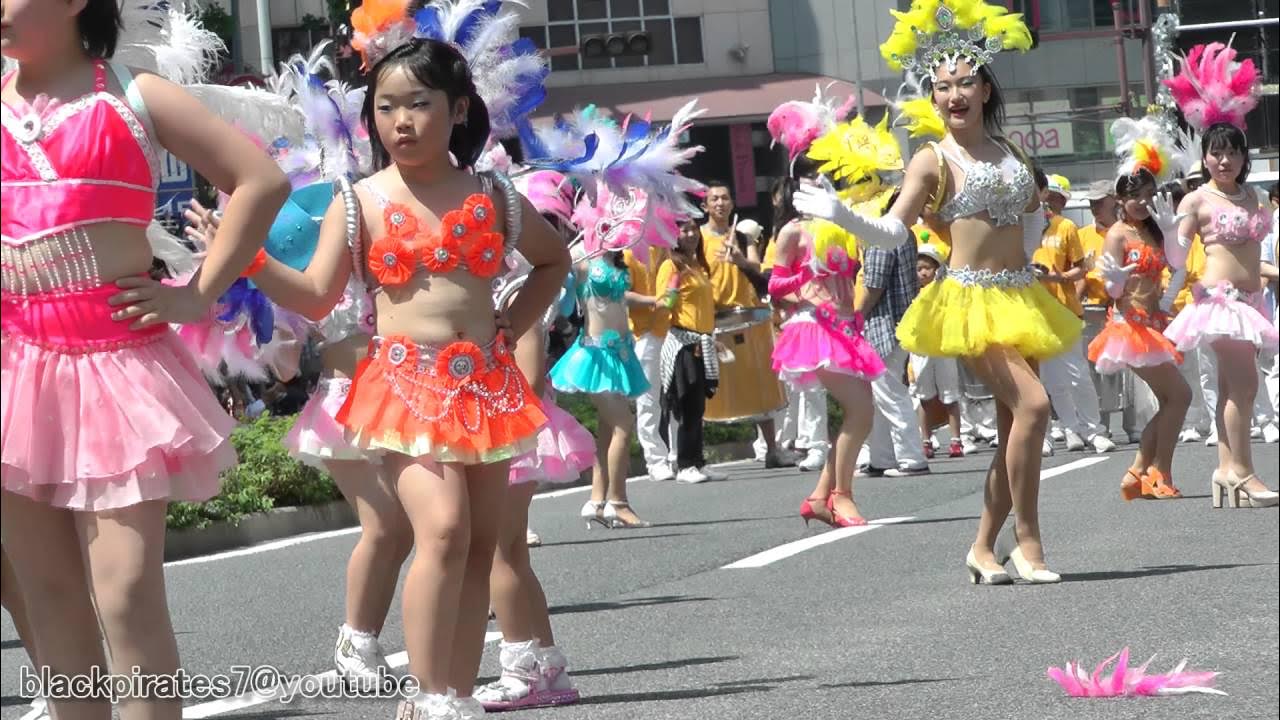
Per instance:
(935,377)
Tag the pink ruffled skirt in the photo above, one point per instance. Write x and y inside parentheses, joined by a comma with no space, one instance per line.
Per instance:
(565,449)
(821,339)
(316,437)
(1222,311)
(96,416)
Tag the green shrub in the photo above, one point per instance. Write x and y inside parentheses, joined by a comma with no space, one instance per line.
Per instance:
(266,477)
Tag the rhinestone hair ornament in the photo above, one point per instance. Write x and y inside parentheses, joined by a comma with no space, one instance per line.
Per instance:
(934,33)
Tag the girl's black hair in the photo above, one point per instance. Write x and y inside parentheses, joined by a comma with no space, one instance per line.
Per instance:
(1221,136)
(993,115)
(441,67)
(99,24)
(616,259)
(1128,187)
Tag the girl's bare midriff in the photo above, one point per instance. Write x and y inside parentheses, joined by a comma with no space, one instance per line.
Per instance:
(119,250)
(340,358)
(434,308)
(605,316)
(1236,264)
(980,245)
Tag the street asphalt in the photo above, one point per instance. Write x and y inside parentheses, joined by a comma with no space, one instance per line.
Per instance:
(878,623)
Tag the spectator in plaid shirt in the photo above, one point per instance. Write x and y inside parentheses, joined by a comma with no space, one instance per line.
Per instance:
(896,448)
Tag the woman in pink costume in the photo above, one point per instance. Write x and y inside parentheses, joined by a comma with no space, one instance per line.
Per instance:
(821,343)
(106,417)
(533,667)
(1214,93)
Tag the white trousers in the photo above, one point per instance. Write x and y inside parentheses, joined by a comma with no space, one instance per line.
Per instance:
(802,425)
(1263,403)
(895,440)
(648,409)
(1070,387)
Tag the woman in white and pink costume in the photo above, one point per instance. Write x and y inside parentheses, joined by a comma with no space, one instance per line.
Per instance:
(1215,92)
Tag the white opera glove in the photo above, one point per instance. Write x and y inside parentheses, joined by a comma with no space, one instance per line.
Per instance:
(1167,218)
(1114,277)
(1176,282)
(822,202)
(1033,225)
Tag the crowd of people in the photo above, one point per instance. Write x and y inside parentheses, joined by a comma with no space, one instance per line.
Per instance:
(428,242)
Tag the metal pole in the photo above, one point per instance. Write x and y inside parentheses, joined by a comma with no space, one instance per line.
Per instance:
(264,37)
(1148,67)
(1123,73)
(857,61)
(237,40)
(1230,24)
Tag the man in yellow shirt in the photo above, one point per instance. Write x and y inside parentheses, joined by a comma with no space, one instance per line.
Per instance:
(649,329)
(1060,264)
(749,389)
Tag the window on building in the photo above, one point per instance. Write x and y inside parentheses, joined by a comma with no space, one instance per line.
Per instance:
(1063,15)
(673,40)
(289,41)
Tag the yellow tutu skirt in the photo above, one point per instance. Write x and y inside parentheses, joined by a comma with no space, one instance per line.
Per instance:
(950,318)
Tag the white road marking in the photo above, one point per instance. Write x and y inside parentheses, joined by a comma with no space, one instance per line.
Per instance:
(796,547)
(251,699)
(1071,466)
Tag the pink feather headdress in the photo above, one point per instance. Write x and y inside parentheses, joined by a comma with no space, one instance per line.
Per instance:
(616,222)
(796,123)
(548,191)
(1212,87)
(1131,681)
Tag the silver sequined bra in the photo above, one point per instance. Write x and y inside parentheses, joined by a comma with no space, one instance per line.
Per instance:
(1002,190)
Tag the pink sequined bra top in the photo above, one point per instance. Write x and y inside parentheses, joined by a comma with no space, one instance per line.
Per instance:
(1233,225)
(67,166)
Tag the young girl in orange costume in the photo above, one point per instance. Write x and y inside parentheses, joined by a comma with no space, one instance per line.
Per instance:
(439,392)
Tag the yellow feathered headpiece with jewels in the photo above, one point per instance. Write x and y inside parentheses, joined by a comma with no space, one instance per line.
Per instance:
(937,32)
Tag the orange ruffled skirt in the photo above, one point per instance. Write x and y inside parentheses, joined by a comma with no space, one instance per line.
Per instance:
(1132,339)
(454,403)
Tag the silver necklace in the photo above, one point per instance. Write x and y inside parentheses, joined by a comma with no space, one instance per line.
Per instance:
(1239,196)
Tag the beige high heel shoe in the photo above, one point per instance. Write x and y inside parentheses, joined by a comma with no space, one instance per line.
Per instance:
(1232,487)
(1028,572)
(979,575)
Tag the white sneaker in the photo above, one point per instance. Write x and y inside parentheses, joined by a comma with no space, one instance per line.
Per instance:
(1103,444)
(1271,433)
(692,476)
(1212,440)
(661,473)
(1047,449)
(1057,435)
(967,444)
(359,660)
(713,474)
(815,459)
(532,539)
(1255,432)
(39,710)
(1074,442)
(1190,435)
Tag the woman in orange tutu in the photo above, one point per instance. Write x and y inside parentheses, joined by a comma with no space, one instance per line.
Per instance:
(1132,265)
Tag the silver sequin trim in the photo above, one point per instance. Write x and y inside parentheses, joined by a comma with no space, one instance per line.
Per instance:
(985,278)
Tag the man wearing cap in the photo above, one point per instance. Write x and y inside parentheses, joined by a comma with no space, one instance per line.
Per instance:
(1102,204)
(1060,264)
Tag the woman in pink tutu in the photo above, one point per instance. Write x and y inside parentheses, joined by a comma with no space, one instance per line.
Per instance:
(1227,310)
(533,667)
(106,417)
(821,343)
(1132,265)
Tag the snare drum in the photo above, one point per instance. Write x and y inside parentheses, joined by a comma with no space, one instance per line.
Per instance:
(749,390)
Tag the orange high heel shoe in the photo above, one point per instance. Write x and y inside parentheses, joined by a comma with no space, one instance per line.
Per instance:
(808,511)
(838,520)
(1133,486)
(1161,487)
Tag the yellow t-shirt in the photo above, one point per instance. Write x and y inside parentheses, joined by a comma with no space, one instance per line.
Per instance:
(1095,291)
(770,256)
(692,305)
(1060,252)
(730,285)
(643,275)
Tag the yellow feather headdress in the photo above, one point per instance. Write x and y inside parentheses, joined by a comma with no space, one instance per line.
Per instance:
(937,32)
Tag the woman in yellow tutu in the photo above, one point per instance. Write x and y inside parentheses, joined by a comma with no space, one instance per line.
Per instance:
(989,309)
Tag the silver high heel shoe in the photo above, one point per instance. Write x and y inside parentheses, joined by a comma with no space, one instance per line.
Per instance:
(1029,573)
(979,575)
(1232,487)
(612,520)
(593,512)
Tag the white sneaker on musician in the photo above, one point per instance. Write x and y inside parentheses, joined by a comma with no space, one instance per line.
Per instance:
(661,473)
(1074,442)
(1047,449)
(532,539)
(1271,433)
(359,660)
(39,710)
(966,443)
(692,476)
(1057,435)
(815,459)
(1102,444)
(1212,439)
(1190,435)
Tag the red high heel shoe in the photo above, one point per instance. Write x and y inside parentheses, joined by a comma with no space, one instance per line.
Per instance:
(808,512)
(1162,487)
(838,520)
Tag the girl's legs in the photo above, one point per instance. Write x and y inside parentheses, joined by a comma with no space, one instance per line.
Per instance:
(614,452)
(518,600)
(12,600)
(487,488)
(436,500)
(1238,387)
(44,549)
(124,552)
(1022,415)
(854,396)
(386,537)
(1160,437)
